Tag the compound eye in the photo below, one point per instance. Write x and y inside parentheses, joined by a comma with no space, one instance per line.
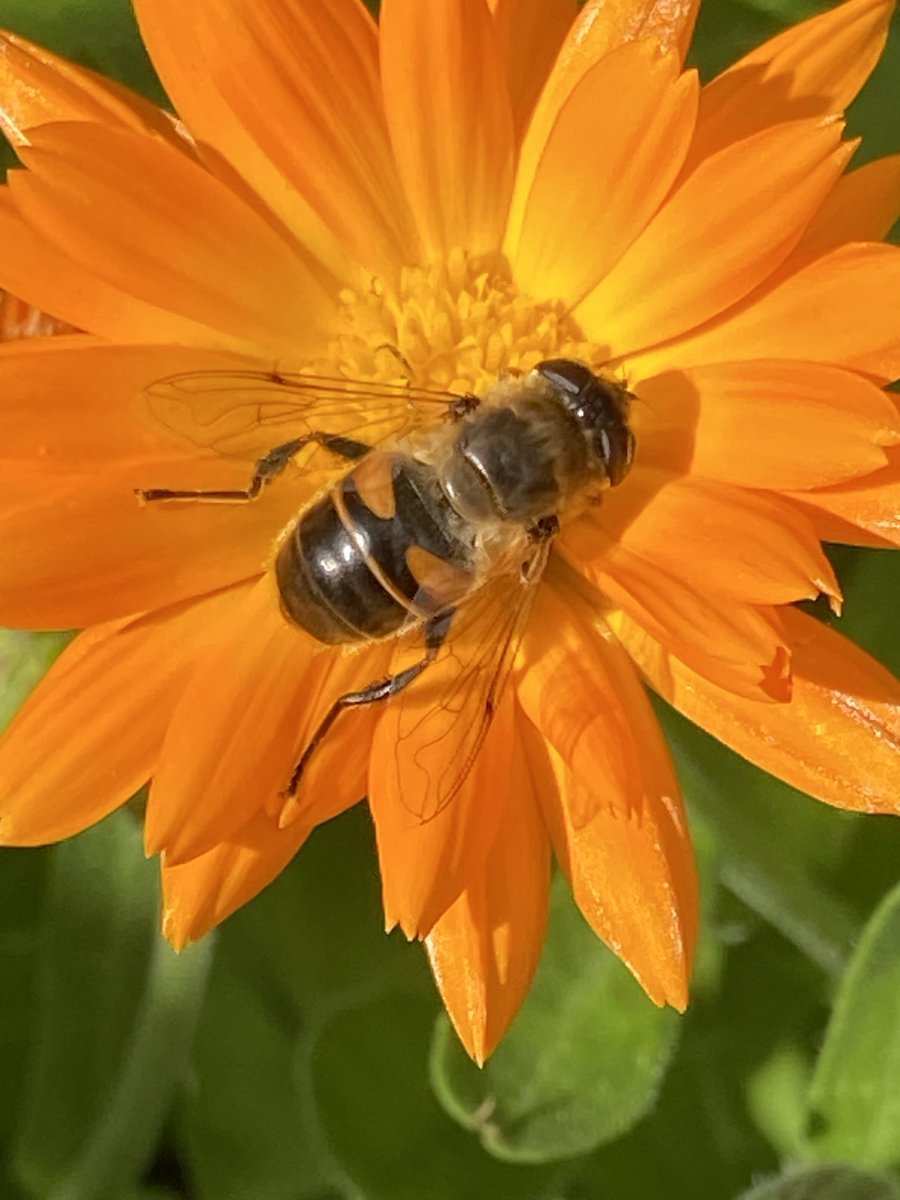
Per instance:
(618,453)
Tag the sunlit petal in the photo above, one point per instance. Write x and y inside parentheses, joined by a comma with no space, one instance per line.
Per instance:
(230,751)
(485,947)
(840,309)
(82,175)
(862,512)
(863,207)
(75,750)
(695,418)
(813,69)
(837,740)
(79,547)
(442,61)
(425,864)
(38,88)
(740,647)
(199,894)
(599,186)
(632,874)
(745,545)
(766,190)
(601,27)
(530,33)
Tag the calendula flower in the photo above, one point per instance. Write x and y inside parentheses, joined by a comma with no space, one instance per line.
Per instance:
(461,191)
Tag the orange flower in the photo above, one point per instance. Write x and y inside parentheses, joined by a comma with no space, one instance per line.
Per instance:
(468,188)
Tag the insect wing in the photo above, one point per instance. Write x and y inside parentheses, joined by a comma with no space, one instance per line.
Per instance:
(243,414)
(434,729)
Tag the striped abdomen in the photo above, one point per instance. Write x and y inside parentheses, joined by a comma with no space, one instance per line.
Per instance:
(381,546)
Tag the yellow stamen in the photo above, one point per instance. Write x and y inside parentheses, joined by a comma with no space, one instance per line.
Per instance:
(455,325)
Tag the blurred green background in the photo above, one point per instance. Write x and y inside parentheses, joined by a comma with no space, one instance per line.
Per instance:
(301,1055)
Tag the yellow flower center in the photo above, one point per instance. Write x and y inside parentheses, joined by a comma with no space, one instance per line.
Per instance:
(454,326)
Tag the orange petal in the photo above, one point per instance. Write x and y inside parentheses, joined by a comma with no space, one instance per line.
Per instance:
(79,548)
(151,222)
(840,309)
(745,545)
(239,728)
(485,947)
(450,120)
(426,864)
(307,94)
(46,277)
(72,399)
(211,68)
(37,88)
(344,754)
(863,512)
(670,22)
(89,735)
(530,33)
(740,647)
(605,24)
(568,691)
(201,893)
(863,207)
(723,232)
(602,26)
(632,871)
(837,740)
(813,69)
(692,421)
(603,198)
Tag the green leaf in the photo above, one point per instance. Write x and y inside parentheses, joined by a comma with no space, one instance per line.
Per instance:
(776,1097)
(876,114)
(24,660)
(871,582)
(244,1131)
(101,34)
(365,1069)
(22,880)
(776,845)
(115,1017)
(854,1100)
(312,943)
(824,1183)
(582,1063)
(698,1138)
(316,936)
(729,29)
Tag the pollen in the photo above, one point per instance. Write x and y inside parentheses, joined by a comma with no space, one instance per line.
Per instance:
(456,326)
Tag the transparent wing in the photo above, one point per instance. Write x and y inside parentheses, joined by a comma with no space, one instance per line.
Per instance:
(435,728)
(244,414)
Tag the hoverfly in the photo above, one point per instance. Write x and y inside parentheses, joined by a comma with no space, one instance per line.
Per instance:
(435,534)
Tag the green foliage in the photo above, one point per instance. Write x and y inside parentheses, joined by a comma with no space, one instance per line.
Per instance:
(24,659)
(854,1102)
(825,1183)
(101,34)
(114,1018)
(595,1077)
(303,1056)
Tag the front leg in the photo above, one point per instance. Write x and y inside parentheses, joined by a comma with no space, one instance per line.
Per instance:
(269,467)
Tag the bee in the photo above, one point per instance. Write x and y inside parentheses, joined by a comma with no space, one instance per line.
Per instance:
(435,533)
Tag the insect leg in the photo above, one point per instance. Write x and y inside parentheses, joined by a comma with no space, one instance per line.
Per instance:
(269,467)
(461,407)
(435,632)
